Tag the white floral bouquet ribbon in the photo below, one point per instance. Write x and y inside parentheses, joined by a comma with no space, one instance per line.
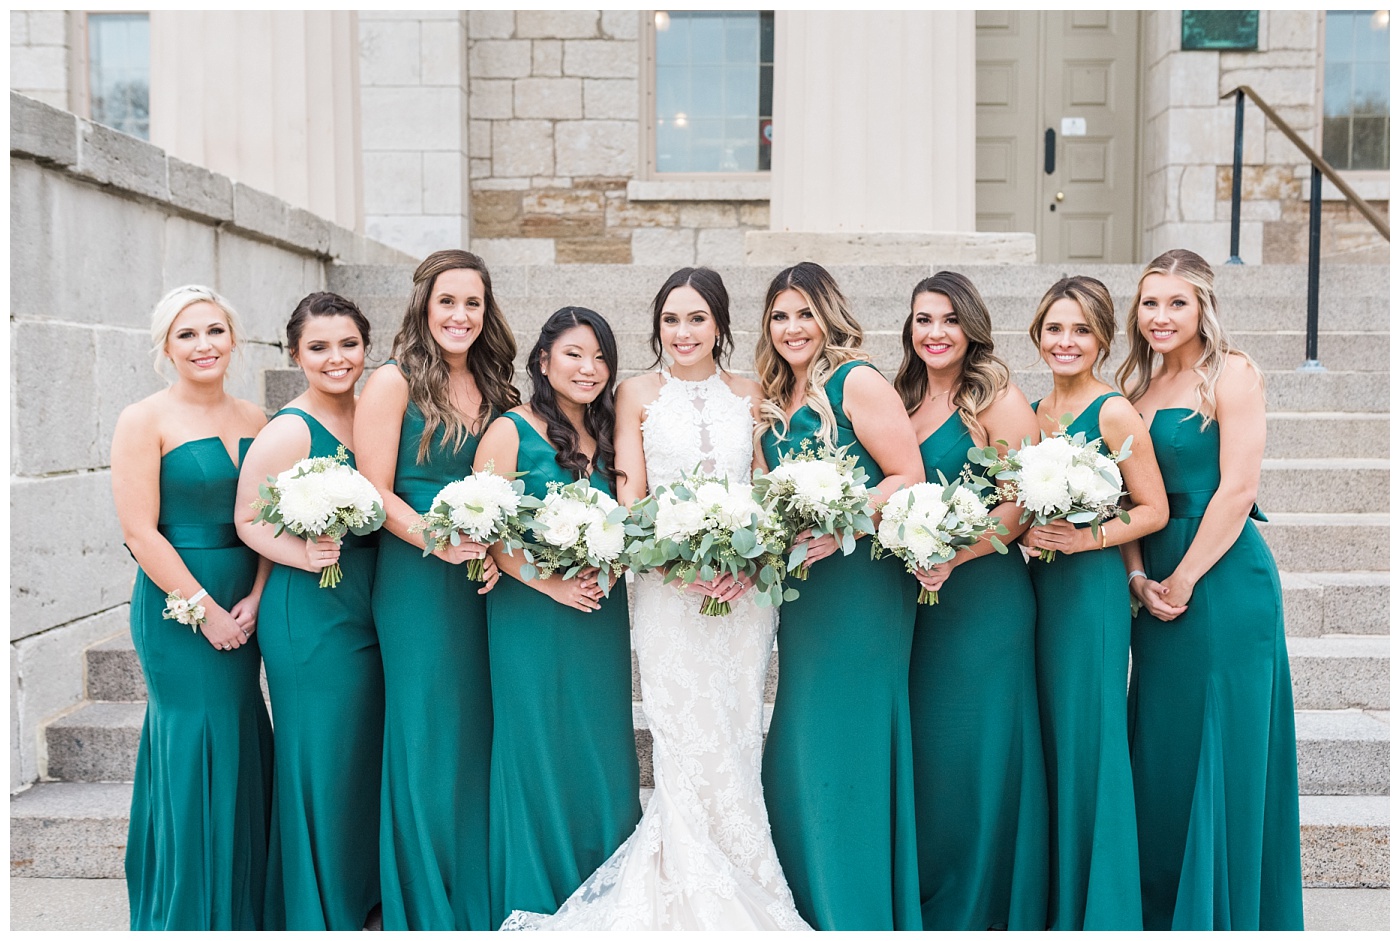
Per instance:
(187,612)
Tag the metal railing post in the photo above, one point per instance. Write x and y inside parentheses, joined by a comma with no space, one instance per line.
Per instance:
(1310,361)
(1236,182)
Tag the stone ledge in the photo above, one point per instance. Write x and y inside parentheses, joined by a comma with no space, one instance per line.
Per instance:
(97,154)
(889,248)
(699,190)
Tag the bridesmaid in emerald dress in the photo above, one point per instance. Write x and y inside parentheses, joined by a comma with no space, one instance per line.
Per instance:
(196,854)
(1083,624)
(1214,757)
(417,426)
(319,648)
(564,776)
(838,767)
(979,769)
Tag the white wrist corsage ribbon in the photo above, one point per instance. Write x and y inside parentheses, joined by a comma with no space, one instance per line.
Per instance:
(190,613)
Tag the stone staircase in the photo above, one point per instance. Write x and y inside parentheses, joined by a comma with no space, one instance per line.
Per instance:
(1325,488)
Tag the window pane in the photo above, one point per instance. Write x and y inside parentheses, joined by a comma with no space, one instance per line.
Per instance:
(1336,142)
(1356,90)
(119,60)
(707,90)
(1368,144)
(1371,91)
(1340,40)
(1372,39)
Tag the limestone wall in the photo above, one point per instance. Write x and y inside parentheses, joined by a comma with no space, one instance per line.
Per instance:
(1187,147)
(101,225)
(39,55)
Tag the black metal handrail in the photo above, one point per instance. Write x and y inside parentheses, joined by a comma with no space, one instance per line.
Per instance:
(1320,168)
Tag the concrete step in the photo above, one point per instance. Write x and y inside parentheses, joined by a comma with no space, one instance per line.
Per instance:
(67,830)
(1317,603)
(1329,542)
(1325,485)
(113,672)
(1327,435)
(1284,390)
(1340,671)
(1343,752)
(1346,841)
(96,742)
(79,831)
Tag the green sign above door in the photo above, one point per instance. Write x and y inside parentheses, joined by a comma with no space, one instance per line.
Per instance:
(1219,29)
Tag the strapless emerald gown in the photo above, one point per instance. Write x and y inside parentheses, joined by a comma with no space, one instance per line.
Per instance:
(564,776)
(327,690)
(196,853)
(979,769)
(1082,632)
(437,713)
(838,768)
(1214,756)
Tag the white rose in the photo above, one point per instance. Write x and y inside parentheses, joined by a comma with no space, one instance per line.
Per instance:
(679,520)
(604,540)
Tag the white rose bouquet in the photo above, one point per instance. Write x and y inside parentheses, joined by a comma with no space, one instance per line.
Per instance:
(321,496)
(822,492)
(703,527)
(576,526)
(484,507)
(925,524)
(1062,477)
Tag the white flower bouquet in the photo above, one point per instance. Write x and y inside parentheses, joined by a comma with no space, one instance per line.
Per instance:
(703,527)
(925,524)
(321,496)
(484,507)
(576,526)
(1062,477)
(822,492)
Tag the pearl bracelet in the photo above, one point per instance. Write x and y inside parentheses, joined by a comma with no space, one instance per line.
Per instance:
(1134,574)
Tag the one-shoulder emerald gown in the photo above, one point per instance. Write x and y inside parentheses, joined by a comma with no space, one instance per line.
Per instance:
(437,713)
(979,768)
(564,776)
(327,690)
(196,853)
(838,768)
(1214,756)
(1082,631)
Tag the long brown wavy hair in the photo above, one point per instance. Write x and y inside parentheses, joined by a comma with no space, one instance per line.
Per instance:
(983,375)
(1135,375)
(490,359)
(839,344)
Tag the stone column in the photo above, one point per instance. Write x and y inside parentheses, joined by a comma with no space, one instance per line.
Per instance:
(268,98)
(874,118)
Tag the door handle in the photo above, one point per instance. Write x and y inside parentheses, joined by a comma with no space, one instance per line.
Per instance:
(1049,150)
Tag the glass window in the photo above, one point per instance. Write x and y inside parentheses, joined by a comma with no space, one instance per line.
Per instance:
(1356,90)
(714,91)
(119,71)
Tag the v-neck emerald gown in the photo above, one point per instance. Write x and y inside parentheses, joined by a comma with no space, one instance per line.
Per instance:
(838,767)
(564,776)
(437,713)
(979,768)
(196,853)
(1214,756)
(326,683)
(1082,631)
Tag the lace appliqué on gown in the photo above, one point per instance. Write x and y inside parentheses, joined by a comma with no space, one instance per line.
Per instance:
(702,856)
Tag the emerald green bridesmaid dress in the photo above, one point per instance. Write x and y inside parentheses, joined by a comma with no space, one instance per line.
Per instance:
(437,713)
(327,688)
(838,768)
(196,852)
(1082,632)
(979,769)
(564,777)
(1215,762)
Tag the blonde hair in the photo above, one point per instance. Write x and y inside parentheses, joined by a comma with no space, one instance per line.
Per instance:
(1135,375)
(1096,303)
(841,337)
(982,375)
(173,303)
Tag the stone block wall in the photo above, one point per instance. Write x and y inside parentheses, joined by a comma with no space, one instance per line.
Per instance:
(413,116)
(1187,147)
(555,104)
(101,225)
(39,55)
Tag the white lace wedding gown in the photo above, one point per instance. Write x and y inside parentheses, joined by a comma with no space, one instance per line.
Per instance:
(702,856)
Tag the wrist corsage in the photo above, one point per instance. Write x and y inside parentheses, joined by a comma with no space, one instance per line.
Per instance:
(190,612)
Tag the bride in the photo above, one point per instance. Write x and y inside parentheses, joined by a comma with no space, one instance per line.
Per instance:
(702,856)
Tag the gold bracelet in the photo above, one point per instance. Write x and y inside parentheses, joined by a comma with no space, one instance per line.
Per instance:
(1103,536)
